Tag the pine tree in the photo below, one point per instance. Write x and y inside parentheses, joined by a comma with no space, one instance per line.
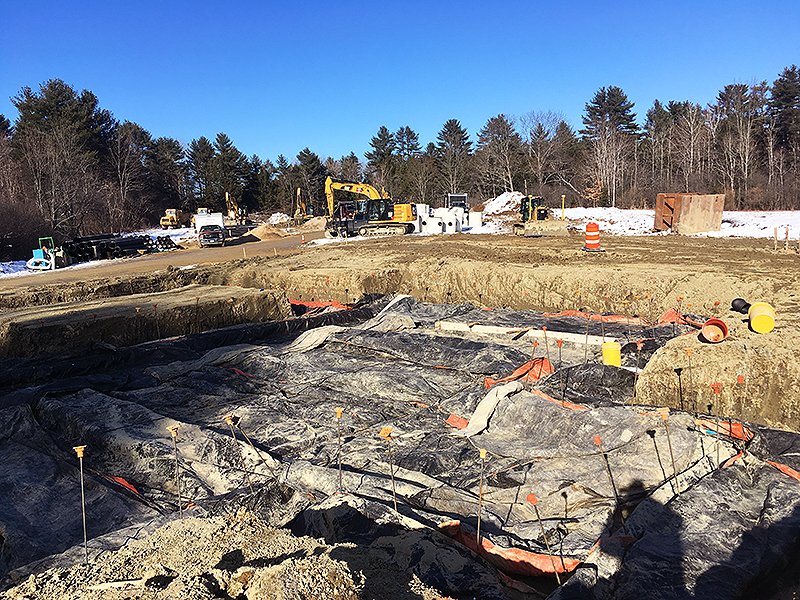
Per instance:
(784,106)
(381,159)
(230,170)
(312,177)
(453,153)
(167,173)
(201,171)
(499,153)
(610,129)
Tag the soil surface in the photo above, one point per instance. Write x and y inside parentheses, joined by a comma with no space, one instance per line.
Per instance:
(117,303)
(635,276)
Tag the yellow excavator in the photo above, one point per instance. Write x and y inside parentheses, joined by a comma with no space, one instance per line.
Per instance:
(375,214)
(235,214)
(301,212)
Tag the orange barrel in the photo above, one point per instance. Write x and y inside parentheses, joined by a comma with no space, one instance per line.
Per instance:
(592,236)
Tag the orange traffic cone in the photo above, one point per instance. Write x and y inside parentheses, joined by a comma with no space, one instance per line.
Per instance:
(303,239)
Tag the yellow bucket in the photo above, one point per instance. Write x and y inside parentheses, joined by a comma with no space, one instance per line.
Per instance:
(762,317)
(611,354)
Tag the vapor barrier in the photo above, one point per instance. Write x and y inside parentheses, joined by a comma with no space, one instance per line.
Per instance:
(369,427)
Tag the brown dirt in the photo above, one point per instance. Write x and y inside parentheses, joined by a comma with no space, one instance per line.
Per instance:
(227,557)
(636,275)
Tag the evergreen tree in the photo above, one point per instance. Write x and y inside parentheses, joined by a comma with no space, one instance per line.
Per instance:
(350,168)
(499,152)
(381,160)
(611,131)
(201,169)
(5,127)
(62,136)
(230,170)
(453,152)
(312,177)
(784,106)
(167,174)
(258,192)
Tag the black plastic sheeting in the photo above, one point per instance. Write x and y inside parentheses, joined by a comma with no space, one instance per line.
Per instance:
(714,532)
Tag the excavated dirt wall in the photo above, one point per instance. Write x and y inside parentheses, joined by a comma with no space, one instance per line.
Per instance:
(121,321)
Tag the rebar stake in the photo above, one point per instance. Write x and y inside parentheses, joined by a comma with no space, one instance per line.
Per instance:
(740,388)
(691,384)
(717,387)
(173,429)
(599,443)
(586,343)
(79,451)
(229,420)
(546,347)
(560,372)
(238,422)
(664,413)
(532,499)
(386,433)
(480,498)
(339,410)
(638,357)
(533,354)
(158,329)
(627,320)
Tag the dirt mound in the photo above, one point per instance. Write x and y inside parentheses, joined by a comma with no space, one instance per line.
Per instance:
(314,224)
(267,232)
(226,557)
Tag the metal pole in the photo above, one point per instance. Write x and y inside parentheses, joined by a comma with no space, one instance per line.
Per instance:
(229,420)
(480,498)
(611,479)
(532,499)
(173,429)
(79,451)
(664,413)
(339,410)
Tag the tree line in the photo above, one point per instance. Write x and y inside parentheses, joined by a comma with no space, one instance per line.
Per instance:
(68,168)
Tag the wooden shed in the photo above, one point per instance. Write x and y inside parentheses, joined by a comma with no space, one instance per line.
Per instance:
(689,213)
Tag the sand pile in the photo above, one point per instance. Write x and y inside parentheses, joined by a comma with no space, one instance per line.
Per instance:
(267,232)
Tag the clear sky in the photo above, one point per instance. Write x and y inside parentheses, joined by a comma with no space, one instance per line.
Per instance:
(277,77)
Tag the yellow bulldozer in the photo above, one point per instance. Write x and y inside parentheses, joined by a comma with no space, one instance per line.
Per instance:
(536,219)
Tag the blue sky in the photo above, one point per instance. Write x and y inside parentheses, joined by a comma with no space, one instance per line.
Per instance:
(277,77)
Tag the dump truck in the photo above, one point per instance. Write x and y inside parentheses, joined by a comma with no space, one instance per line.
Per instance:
(174,218)
(375,214)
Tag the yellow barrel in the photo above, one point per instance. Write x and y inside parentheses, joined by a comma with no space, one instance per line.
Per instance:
(611,354)
(762,317)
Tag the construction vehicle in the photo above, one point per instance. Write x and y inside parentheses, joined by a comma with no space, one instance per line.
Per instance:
(209,218)
(457,200)
(235,214)
(374,214)
(44,257)
(174,218)
(301,212)
(536,219)
(211,235)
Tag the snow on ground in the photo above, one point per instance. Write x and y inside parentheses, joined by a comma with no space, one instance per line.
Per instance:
(499,214)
